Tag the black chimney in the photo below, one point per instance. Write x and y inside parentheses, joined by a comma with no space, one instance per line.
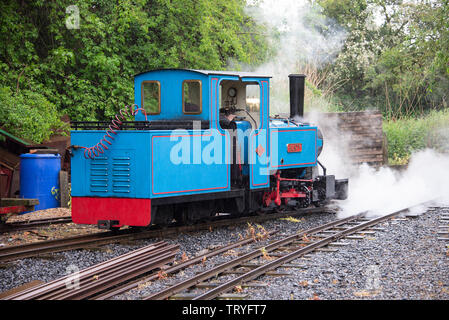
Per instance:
(297,82)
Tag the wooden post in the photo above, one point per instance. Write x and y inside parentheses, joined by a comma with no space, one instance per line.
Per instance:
(64,188)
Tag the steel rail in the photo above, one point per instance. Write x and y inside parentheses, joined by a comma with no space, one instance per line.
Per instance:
(85,280)
(113,276)
(90,270)
(292,256)
(177,267)
(31,224)
(166,293)
(41,247)
(131,273)
(103,275)
(93,268)
(79,242)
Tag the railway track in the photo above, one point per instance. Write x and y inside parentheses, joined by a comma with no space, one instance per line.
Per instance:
(130,271)
(267,258)
(175,268)
(443,228)
(110,278)
(97,278)
(32,224)
(101,238)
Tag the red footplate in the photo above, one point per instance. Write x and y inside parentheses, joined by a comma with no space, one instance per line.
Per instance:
(128,211)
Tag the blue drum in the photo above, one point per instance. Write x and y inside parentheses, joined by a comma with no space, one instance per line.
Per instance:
(39,179)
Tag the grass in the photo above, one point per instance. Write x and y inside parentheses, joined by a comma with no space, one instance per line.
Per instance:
(407,135)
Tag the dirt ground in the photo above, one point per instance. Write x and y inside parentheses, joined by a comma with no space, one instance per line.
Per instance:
(50,232)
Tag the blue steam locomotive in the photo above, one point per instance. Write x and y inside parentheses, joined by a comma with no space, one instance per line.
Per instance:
(196,143)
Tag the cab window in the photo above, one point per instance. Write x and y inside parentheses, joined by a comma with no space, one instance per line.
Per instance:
(191,97)
(151,97)
(253,98)
(252,103)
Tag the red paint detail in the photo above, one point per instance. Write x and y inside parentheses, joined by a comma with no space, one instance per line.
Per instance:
(260,150)
(212,113)
(258,132)
(299,180)
(266,199)
(276,195)
(180,191)
(13,209)
(217,115)
(128,211)
(210,105)
(6,190)
(295,164)
(277,200)
(293,193)
(294,147)
(220,131)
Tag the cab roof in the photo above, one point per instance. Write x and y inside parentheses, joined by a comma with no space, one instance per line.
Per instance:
(239,74)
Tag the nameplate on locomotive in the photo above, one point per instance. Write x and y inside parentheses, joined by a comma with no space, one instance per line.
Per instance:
(294,147)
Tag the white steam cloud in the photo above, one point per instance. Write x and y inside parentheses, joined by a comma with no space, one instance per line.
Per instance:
(296,29)
(384,191)
(301,44)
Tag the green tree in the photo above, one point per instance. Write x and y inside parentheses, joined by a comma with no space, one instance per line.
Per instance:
(395,57)
(87,72)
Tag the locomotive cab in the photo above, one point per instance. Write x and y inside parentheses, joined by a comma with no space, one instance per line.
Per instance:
(239,106)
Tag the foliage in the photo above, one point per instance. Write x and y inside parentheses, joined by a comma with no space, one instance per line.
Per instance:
(87,72)
(28,114)
(396,56)
(410,134)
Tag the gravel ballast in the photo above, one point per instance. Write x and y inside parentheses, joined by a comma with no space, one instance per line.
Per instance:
(405,261)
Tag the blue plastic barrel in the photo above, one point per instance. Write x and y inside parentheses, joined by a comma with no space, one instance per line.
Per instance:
(39,179)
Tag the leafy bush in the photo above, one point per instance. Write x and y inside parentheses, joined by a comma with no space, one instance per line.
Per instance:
(411,134)
(28,114)
(395,57)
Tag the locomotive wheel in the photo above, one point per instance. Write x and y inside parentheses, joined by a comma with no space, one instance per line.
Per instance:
(162,215)
(238,208)
(306,202)
(189,213)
